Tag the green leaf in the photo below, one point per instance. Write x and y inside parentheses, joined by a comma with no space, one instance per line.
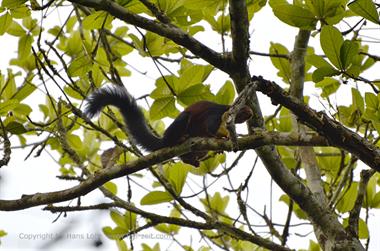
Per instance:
(285,120)
(12,3)
(97,20)
(114,234)
(118,219)
(314,246)
(110,186)
(347,202)
(320,73)
(331,42)
(226,94)
(366,9)
(74,141)
(282,64)
(3,233)
(328,86)
(7,106)
(163,107)
(216,203)
(24,91)
(376,125)
(317,61)
(20,12)
(296,208)
(295,16)
(15,128)
(156,197)
(317,7)
(348,51)
(16,30)
(22,109)
(5,22)
(372,105)
(376,199)
(329,165)
(191,75)
(363,228)
(195,93)
(287,156)
(162,89)
(371,101)
(357,100)
(80,66)
(209,165)
(121,245)
(176,175)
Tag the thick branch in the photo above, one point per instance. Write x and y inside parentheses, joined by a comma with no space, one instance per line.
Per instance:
(104,175)
(166,30)
(306,154)
(7,146)
(240,35)
(336,133)
(211,224)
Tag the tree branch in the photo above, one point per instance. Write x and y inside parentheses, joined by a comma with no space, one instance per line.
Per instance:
(166,30)
(353,220)
(209,225)
(240,35)
(7,146)
(99,178)
(336,133)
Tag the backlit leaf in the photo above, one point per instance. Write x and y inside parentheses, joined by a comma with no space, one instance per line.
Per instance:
(366,9)
(331,41)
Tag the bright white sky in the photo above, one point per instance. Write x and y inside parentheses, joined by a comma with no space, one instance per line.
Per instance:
(38,174)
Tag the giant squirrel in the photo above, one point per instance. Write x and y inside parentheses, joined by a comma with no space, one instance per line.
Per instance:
(201,119)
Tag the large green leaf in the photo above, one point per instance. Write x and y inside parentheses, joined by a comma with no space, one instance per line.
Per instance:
(12,3)
(15,29)
(216,202)
(25,46)
(80,66)
(226,93)
(363,228)
(7,106)
(282,64)
(15,128)
(114,233)
(295,16)
(156,197)
(348,200)
(5,22)
(163,107)
(328,86)
(348,51)
(320,73)
(111,187)
(331,42)
(366,9)
(357,100)
(97,20)
(176,174)
(24,91)
(317,61)
(195,93)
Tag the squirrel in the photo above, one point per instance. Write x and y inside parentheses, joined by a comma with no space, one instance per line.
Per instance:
(201,119)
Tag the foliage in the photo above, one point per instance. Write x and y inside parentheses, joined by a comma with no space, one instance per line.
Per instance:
(44,88)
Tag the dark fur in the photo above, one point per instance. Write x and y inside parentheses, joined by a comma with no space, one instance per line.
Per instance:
(201,119)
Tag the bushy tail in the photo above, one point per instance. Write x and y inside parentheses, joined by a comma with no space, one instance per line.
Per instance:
(134,118)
